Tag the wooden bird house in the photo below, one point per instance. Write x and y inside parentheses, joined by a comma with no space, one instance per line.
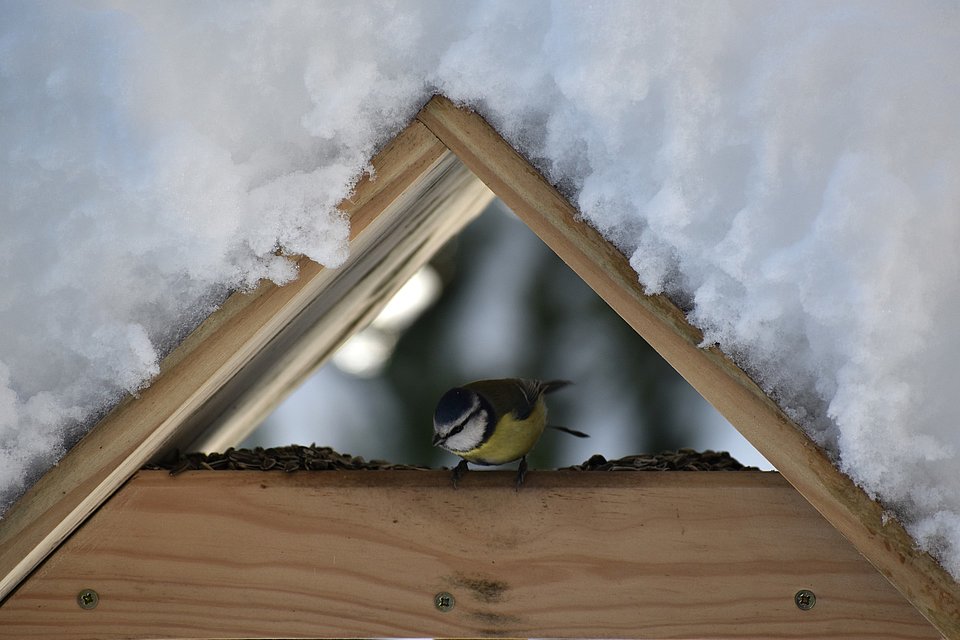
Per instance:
(100,548)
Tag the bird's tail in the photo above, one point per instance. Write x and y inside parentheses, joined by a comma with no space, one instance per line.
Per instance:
(552,385)
(573,432)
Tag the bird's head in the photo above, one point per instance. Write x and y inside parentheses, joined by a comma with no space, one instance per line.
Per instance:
(461,420)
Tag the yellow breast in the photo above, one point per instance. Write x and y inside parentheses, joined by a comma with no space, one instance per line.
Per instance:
(512,439)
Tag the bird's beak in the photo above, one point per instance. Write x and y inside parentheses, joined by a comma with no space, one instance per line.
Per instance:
(437,439)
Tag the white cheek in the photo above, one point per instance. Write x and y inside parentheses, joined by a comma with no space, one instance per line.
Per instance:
(471,436)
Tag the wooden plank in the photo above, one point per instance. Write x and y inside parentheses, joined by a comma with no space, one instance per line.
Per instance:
(192,374)
(362,554)
(881,540)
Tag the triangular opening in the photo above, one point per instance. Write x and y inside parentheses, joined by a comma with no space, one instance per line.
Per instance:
(505,305)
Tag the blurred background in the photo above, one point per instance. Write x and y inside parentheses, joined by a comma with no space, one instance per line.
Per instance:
(497,302)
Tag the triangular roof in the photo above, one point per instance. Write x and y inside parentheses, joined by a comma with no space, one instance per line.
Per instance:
(237,365)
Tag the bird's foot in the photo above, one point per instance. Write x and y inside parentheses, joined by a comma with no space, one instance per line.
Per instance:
(458,472)
(521,472)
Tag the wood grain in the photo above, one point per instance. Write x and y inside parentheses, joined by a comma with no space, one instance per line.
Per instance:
(192,375)
(362,554)
(882,541)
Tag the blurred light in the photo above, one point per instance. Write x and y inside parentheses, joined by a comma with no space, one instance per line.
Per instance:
(410,301)
(366,353)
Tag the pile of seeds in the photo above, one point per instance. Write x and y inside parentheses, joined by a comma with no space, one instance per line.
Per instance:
(680,460)
(314,458)
(291,458)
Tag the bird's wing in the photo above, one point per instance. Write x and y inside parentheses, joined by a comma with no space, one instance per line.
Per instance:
(509,395)
(519,395)
(534,389)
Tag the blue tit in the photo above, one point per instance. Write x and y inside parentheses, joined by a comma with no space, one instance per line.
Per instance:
(494,422)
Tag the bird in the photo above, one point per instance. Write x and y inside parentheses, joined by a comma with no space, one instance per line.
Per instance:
(491,422)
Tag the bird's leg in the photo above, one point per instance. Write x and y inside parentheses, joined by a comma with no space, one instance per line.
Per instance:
(521,471)
(458,472)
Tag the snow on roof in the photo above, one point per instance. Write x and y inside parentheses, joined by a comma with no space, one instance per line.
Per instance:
(788,172)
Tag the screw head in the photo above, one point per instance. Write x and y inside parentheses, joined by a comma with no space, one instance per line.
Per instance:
(805,599)
(443,601)
(88,599)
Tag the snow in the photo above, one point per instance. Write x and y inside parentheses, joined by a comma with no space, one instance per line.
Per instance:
(788,172)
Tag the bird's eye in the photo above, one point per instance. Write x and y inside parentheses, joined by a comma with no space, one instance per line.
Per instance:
(457,429)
